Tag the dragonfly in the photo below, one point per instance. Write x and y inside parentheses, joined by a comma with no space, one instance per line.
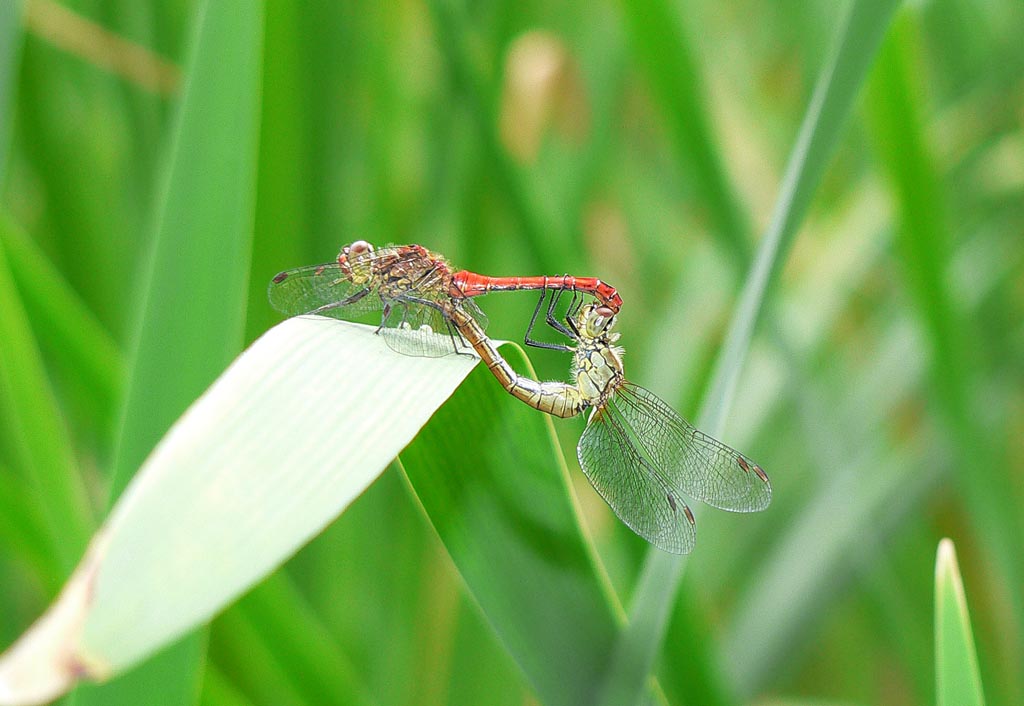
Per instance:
(415,290)
(636,451)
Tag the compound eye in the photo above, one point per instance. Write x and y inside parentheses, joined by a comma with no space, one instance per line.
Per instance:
(605,312)
(359,247)
(596,321)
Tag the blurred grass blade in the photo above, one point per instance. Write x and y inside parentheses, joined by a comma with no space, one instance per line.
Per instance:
(287,437)
(68,330)
(284,621)
(831,104)
(822,545)
(35,434)
(191,299)
(22,529)
(455,36)
(830,107)
(39,442)
(957,680)
(923,239)
(664,50)
(493,483)
(285,169)
(10,52)
(238,649)
(219,691)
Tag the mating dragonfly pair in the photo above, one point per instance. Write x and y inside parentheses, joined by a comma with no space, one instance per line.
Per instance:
(636,451)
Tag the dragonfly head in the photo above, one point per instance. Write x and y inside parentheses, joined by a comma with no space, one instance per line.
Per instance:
(595,321)
(355,259)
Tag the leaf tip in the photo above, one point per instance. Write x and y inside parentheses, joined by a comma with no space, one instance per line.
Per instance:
(946,567)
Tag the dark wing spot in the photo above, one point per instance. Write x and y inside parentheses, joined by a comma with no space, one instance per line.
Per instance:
(672,502)
(280,277)
(689,515)
(743,464)
(761,474)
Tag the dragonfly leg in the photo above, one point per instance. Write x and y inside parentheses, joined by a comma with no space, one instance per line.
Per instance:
(456,337)
(384,316)
(411,299)
(351,299)
(553,322)
(551,346)
(570,314)
(453,332)
(388,310)
(533,321)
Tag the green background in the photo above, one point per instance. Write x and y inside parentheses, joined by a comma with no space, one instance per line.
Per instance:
(159,162)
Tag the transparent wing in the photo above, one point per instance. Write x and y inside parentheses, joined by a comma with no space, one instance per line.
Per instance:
(420,330)
(320,289)
(411,292)
(689,460)
(470,307)
(633,489)
(408,280)
(416,323)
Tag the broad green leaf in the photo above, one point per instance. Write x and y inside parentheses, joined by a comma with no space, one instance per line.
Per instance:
(837,88)
(237,648)
(191,298)
(957,680)
(290,434)
(495,487)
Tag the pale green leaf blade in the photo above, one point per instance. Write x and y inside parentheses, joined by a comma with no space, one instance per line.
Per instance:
(289,435)
(191,296)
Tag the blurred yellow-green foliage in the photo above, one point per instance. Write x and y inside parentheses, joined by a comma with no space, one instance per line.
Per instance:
(643,142)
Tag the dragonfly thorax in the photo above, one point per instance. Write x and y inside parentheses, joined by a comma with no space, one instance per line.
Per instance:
(597,363)
(597,369)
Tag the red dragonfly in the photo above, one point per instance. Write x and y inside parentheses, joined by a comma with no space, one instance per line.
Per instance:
(636,451)
(415,290)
